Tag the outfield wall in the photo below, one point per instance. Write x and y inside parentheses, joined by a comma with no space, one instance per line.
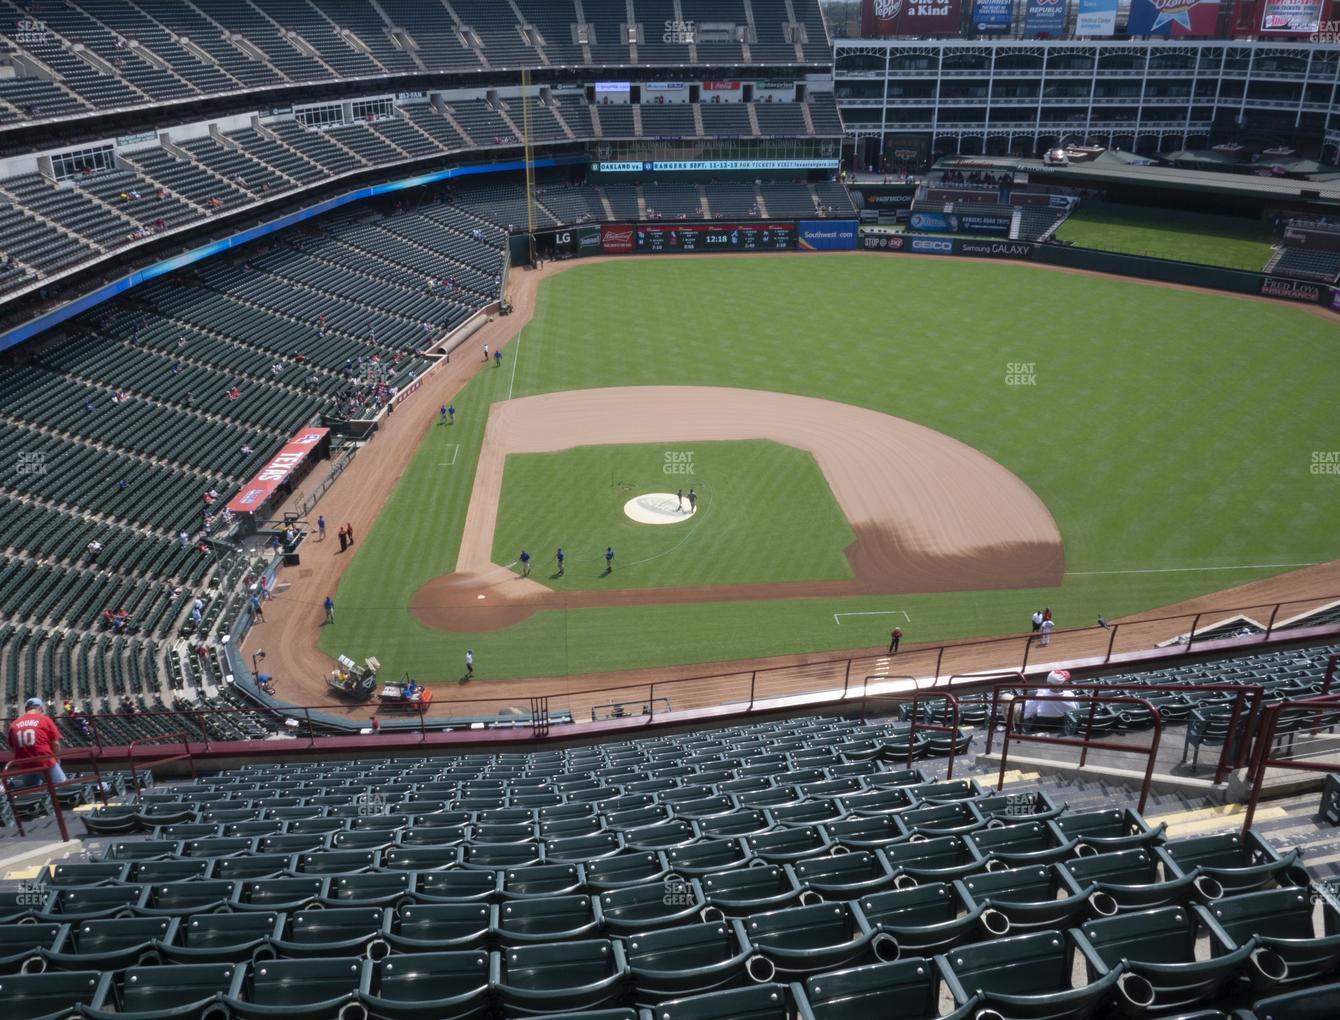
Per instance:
(675,237)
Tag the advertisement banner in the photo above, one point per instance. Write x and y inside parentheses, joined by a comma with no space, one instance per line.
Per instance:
(721,86)
(880,17)
(589,240)
(254,494)
(934,222)
(992,15)
(920,245)
(1096,17)
(712,165)
(994,249)
(1335,300)
(826,235)
(1291,290)
(919,18)
(971,223)
(1173,17)
(1044,17)
(616,238)
(887,199)
(1291,17)
(910,17)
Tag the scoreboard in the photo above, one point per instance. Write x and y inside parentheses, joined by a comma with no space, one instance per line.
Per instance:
(705,237)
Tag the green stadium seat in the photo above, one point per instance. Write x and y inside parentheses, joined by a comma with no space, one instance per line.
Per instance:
(163,993)
(696,958)
(183,870)
(20,943)
(1109,830)
(433,834)
(1011,846)
(663,835)
(497,856)
(421,857)
(223,938)
(310,988)
(72,873)
(426,927)
(943,819)
(1160,947)
(804,940)
(52,996)
(745,822)
(1239,865)
(1318,1003)
(381,889)
(1033,898)
(428,986)
(1029,977)
(934,860)
(459,886)
(899,990)
(845,875)
(252,866)
(1135,879)
(278,893)
(788,845)
(867,832)
(343,931)
(652,906)
(172,899)
(542,880)
(559,977)
(707,857)
(87,902)
(110,943)
(1280,920)
(748,891)
(549,919)
(927,919)
(760,1002)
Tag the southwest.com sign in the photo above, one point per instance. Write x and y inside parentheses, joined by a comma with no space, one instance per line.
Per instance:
(714,165)
(826,235)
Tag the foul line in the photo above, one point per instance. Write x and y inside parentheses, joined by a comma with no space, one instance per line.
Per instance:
(455,453)
(837,617)
(1188,570)
(516,354)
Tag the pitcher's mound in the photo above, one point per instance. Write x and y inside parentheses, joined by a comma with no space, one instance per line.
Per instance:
(657,508)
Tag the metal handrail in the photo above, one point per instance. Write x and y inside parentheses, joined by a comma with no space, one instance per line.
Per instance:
(1261,759)
(913,698)
(1085,742)
(13,768)
(1239,692)
(186,754)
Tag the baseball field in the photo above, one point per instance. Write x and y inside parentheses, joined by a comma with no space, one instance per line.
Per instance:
(942,446)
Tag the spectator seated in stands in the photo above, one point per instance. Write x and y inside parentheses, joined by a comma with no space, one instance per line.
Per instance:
(1052,713)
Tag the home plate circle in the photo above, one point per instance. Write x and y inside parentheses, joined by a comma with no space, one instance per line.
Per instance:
(657,508)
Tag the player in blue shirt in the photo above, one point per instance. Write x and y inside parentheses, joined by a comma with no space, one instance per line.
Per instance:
(525,563)
(609,559)
(560,556)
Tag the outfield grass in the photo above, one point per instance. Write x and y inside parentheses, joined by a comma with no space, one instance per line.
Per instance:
(764,514)
(1229,241)
(1170,433)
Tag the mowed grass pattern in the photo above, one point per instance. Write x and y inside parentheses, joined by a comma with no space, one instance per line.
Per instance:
(1230,241)
(764,514)
(1170,433)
